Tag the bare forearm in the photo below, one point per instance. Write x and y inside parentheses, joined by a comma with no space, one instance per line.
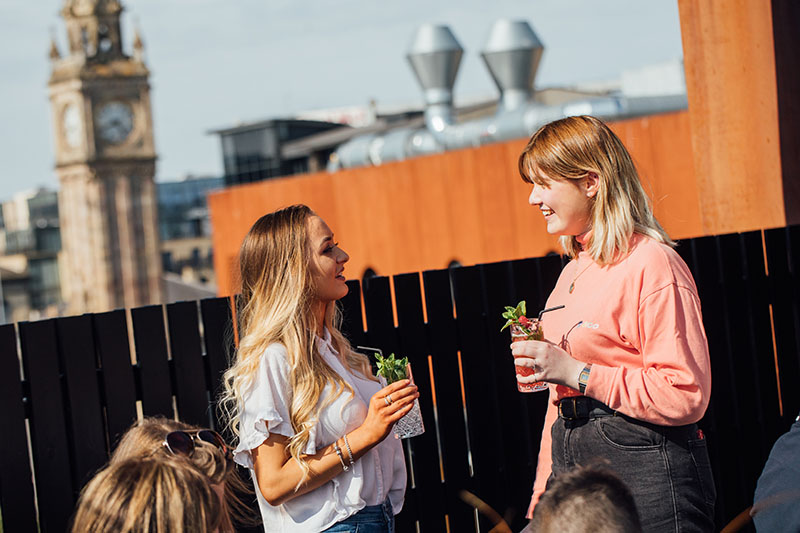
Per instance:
(280,478)
(280,486)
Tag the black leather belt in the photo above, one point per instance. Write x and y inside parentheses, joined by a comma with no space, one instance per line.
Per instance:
(582,407)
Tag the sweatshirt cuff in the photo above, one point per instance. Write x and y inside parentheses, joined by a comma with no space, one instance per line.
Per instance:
(600,380)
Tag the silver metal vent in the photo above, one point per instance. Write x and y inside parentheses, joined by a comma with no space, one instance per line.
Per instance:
(512,54)
(435,56)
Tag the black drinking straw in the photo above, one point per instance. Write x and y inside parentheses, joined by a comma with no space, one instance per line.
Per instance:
(543,311)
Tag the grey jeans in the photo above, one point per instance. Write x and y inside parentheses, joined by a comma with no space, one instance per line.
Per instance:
(666,468)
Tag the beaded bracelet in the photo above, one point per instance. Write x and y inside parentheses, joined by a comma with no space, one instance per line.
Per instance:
(349,451)
(341,457)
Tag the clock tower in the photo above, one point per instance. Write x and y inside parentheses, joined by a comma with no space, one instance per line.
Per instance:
(105,161)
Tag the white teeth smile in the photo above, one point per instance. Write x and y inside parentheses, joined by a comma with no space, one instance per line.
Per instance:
(547,212)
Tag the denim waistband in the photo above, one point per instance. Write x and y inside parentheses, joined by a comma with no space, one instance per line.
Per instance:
(371,513)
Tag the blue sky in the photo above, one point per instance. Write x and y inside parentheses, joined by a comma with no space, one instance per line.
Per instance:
(218,62)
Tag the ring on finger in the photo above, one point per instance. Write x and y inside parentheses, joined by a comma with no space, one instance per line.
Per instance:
(388,399)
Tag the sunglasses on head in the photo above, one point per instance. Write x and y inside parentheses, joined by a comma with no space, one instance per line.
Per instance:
(182,442)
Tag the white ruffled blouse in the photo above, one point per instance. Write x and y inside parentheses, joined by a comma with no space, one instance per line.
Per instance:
(379,473)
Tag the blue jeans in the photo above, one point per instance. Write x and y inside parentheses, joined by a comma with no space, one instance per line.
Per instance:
(666,468)
(370,519)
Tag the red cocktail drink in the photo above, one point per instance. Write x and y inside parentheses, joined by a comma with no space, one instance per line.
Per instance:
(528,329)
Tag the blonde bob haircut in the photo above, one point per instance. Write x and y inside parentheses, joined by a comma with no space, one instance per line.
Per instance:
(574,147)
(151,495)
(276,306)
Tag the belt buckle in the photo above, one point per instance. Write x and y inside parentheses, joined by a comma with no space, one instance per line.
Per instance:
(574,415)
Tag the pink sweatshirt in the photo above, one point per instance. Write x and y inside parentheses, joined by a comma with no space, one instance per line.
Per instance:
(639,323)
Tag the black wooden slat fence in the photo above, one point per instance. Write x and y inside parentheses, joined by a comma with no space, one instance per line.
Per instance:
(152,360)
(48,425)
(16,490)
(84,412)
(443,338)
(117,373)
(218,338)
(188,364)
(80,388)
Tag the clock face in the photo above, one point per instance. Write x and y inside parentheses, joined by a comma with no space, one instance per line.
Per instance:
(114,122)
(72,125)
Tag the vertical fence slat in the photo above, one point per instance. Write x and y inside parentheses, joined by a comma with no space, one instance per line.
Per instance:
(518,442)
(792,361)
(151,355)
(755,286)
(429,494)
(187,357)
(113,348)
(48,428)
(380,321)
(741,314)
(480,388)
(381,334)
(85,416)
(17,505)
(352,319)
(452,431)
(783,247)
(723,412)
(218,336)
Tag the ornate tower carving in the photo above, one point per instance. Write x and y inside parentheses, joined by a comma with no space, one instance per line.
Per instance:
(105,161)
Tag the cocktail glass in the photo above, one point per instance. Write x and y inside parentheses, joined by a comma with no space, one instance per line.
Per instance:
(524,366)
(411,424)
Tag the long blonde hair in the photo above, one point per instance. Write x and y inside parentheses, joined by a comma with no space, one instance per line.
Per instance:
(570,149)
(275,306)
(145,438)
(148,495)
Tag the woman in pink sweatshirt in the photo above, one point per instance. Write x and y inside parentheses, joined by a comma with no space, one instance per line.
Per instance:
(627,356)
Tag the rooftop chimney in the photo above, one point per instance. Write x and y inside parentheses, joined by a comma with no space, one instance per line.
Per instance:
(435,56)
(512,54)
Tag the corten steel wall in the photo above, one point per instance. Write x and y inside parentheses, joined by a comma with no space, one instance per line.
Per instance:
(467,205)
(742,82)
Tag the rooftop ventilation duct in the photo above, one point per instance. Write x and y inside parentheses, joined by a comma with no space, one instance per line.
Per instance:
(512,54)
(434,56)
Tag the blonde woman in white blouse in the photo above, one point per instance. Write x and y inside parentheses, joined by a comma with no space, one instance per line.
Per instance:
(311,419)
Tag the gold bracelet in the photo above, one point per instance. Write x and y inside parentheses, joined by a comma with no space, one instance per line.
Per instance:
(341,457)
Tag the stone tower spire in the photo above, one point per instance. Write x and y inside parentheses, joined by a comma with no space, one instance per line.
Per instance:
(138,45)
(54,53)
(105,161)
(93,28)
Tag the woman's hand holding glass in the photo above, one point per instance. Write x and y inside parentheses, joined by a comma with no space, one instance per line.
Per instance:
(386,407)
(553,364)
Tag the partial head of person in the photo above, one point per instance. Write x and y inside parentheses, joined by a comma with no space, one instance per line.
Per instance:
(590,499)
(201,448)
(587,187)
(204,448)
(289,260)
(158,494)
(292,273)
